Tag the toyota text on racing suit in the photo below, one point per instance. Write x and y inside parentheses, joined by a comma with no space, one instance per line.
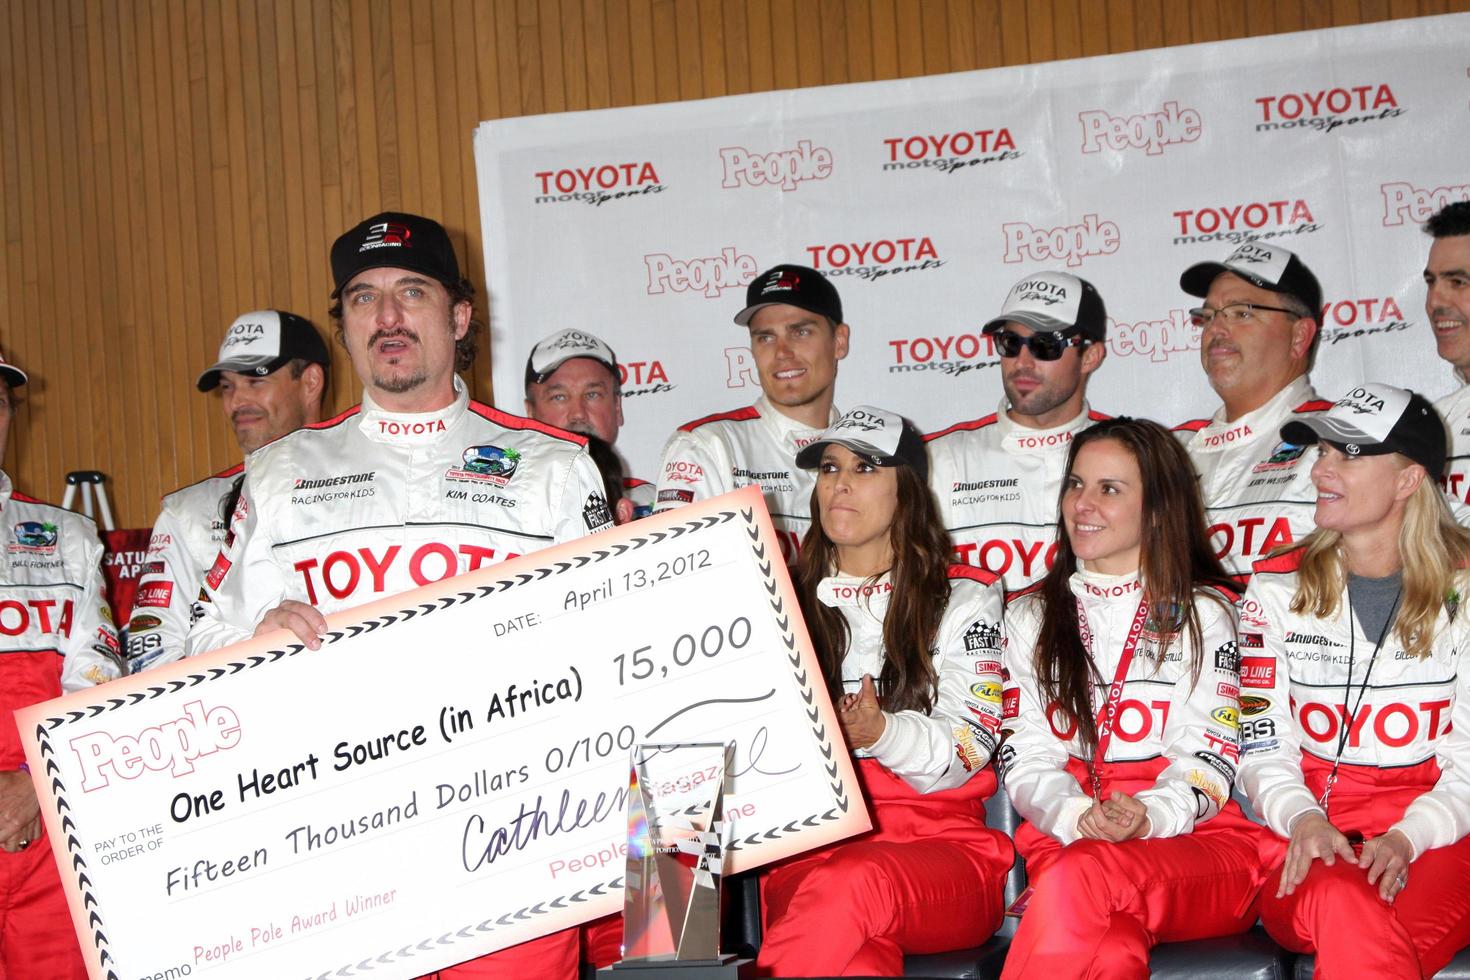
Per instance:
(374,503)
(1405,766)
(997,485)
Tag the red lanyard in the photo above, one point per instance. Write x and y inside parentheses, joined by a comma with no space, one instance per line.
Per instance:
(1109,714)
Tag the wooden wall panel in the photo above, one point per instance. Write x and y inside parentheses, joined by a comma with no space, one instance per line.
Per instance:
(168,164)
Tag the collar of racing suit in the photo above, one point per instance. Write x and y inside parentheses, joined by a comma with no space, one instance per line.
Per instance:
(1021,440)
(6,489)
(844,591)
(1264,423)
(1092,587)
(789,431)
(405,428)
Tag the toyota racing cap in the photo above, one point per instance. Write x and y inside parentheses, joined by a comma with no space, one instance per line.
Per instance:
(1375,419)
(552,352)
(792,285)
(1054,302)
(1267,266)
(263,342)
(877,435)
(397,240)
(13,375)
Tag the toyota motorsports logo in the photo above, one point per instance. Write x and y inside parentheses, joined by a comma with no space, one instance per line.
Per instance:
(950,153)
(597,184)
(1325,110)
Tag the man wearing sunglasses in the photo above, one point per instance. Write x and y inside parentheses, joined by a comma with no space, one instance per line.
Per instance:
(1258,328)
(997,478)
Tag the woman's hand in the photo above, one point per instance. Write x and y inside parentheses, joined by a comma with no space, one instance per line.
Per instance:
(1387,859)
(861,718)
(1312,837)
(1118,818)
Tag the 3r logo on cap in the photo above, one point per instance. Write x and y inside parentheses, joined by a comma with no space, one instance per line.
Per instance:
(387,233)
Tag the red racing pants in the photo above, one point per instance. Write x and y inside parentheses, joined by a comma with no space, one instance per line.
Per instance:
(1098,907)
(37,938)
(928,878)
(553,957)
(1338,916)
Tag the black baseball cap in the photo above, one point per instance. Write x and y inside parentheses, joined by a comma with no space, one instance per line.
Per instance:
(792,285)
(881,437)
(262,343)
(13,375)
(1376,419)
(398,240)
(1267,266)
(1057,302)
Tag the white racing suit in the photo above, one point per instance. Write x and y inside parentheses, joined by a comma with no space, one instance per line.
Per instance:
(930,875)
(55,632)
(373,503)
(1405,766)
(997,484)
(1455,410)
(1257,488)
(1098,906)
(730,450)
(187,536)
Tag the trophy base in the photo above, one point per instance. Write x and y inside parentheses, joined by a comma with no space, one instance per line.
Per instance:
(727,967)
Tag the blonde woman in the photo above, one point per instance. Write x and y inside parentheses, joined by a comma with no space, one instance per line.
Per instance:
(1355,724)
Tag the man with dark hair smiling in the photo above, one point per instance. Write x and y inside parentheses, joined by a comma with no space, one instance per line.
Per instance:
(415,485)
(1447,304)
(797,335)
(271,373)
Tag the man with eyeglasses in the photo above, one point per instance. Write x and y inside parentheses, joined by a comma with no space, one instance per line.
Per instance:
(1447,304)
(1258,327)
(997,478)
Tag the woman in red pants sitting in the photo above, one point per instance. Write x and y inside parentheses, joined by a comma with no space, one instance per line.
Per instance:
(910,647)
(1355,701)
(1121,716)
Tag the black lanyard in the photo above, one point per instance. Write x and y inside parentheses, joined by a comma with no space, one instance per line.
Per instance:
(1347,687)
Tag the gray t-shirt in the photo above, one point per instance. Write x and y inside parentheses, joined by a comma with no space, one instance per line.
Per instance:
(1374,601)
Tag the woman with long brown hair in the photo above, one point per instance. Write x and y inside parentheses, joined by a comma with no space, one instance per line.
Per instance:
(1121,720)
(1356,714)
(910,650)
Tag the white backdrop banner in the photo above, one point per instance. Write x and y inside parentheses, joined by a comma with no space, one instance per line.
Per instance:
(926,199)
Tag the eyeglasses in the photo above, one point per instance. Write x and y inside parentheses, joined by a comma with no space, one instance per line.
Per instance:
(1234,314)
(1044,345)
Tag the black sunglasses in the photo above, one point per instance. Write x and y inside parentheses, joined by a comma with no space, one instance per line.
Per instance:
(1044,345)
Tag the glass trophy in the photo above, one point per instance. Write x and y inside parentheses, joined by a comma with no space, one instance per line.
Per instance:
(676,853)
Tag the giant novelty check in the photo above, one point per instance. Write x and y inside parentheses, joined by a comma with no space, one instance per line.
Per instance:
(447,775)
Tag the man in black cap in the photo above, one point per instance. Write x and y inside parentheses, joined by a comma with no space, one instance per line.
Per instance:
(797,335)
(572,381)
(415,485)
(1258,328)
(1447,305)
(272,376)
(997,478)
